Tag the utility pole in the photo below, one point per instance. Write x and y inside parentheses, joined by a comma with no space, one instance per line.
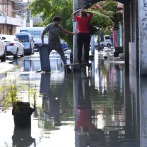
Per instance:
(3,8)
(77,4)
(28,16)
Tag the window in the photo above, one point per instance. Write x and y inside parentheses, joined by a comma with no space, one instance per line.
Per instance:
(23,38)
(35,34)
(23,30)
(107,37)
(15,39)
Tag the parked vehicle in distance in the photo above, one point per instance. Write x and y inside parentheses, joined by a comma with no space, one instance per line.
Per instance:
(28,42)
(36,33)
(14,46)
(3,49)
(106,43)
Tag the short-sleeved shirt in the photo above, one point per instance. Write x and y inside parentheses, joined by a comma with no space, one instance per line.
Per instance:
(83,23)
(53,32)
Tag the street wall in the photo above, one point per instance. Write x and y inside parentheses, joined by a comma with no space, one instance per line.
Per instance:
(6,7)
(143,37)
(7,29)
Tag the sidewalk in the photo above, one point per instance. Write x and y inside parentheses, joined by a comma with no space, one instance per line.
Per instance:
(4,66)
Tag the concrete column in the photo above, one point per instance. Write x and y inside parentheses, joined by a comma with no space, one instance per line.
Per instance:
(77,4)
(3,7)
(137,35)
(142,36)
(143,112)
(126,34)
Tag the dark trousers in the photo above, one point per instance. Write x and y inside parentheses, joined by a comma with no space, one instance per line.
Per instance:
(83,38)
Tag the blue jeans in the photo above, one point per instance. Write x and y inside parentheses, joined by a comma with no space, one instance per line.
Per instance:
(57,46)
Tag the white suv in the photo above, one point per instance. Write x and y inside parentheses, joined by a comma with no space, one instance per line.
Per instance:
(3,49)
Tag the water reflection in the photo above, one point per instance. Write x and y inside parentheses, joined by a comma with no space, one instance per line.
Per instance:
(22,119)
(22,137)
(112,123)
(105,109)
(51,99)
(86,132)
(33,64)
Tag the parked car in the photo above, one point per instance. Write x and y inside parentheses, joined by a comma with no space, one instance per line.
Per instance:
(105,43)
(14,46)
(3,49)
(27,40)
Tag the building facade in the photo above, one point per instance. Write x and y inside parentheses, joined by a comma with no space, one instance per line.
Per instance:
(9,19)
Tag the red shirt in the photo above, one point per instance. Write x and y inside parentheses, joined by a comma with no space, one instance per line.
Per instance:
(84,119)
(83,23)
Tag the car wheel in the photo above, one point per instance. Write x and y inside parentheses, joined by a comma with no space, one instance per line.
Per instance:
(22,53)
(109,45)
(16,55)
(3,58)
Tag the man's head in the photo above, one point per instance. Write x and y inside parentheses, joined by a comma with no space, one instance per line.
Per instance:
(56,20)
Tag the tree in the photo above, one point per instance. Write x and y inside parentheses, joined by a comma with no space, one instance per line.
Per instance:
(108,8)
(49,9)
(64,9)
(37,24)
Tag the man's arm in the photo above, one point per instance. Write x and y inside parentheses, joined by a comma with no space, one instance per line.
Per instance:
(42,37)
(66,32)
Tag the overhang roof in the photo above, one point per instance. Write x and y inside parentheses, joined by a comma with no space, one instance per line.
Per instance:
(89,3)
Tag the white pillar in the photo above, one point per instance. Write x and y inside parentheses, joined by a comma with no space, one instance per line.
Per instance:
(142,36)
(92,44)
(31,23)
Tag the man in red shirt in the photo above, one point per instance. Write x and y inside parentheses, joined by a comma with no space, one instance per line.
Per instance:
(83,33)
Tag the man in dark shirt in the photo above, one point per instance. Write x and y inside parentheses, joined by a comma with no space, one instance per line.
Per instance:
(54,38)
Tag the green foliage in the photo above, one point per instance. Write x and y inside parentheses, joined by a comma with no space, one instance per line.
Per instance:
(49,9)
(101,20)
(102,17)
(109,8)
(37,24)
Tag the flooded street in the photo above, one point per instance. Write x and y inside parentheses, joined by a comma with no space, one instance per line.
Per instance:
(106,108)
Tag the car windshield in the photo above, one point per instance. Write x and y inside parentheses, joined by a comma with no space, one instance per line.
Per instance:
(107,37)
(23,38)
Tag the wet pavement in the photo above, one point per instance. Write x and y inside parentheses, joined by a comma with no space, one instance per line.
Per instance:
(106,108)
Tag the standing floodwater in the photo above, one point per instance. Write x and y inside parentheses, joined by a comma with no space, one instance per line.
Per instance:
(80,110)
